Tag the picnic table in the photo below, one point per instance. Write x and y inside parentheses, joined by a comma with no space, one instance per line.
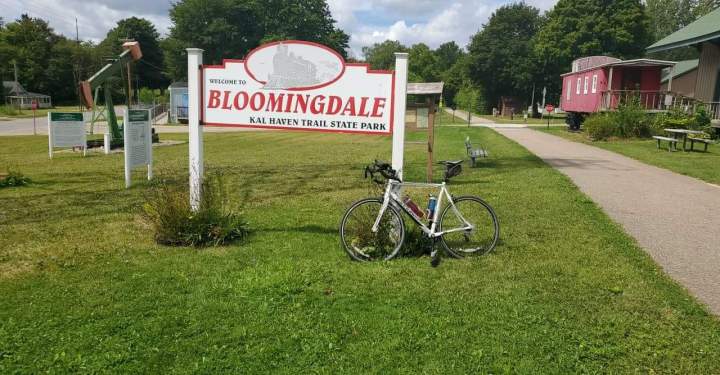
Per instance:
(716,127)
(679,134)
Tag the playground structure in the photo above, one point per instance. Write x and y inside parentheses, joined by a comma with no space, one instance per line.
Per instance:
(105,79)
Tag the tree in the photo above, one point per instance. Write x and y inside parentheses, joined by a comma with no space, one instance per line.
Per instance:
(422,64)
(578,28)
(455,78)
(30,42)
(447,55)
(304,20)
(382,55)
(231,28)
(500,54)
(149,71)
(669,16)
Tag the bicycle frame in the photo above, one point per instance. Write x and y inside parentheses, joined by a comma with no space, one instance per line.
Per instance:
(393,190)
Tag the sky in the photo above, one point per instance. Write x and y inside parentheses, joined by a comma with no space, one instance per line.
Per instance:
(366,21)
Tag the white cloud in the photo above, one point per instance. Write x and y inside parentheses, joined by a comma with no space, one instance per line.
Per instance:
(432,22)
(94,18)
(366,21)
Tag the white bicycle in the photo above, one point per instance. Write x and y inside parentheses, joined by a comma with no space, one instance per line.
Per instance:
(373,228)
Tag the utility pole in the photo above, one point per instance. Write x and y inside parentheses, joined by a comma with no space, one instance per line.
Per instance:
(15,69)
(532,102)
(76,69)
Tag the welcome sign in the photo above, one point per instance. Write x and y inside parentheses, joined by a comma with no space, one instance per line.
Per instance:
(298,85)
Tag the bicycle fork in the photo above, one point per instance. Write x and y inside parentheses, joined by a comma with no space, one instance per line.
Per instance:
(386,202)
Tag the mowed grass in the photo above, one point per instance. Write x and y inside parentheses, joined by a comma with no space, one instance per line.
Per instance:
(698,164)
(85,289)
(10,112)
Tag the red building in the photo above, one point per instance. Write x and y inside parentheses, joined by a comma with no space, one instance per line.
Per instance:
(601,83)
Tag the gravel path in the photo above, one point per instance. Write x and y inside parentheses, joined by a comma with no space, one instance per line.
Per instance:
(675,218)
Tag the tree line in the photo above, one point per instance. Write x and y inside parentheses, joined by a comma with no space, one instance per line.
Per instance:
(52,64)
(518,51)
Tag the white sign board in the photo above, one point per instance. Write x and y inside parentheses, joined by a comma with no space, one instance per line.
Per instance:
(298,85)
(293,85)
(137,140)
(66,129)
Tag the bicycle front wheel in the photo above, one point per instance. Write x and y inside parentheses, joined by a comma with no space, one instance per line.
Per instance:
(357,237)
(479,239)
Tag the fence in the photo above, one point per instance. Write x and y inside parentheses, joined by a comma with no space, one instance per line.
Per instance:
(657,101)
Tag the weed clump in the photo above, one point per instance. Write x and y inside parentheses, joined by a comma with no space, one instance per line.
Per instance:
(14,178)
(167,210)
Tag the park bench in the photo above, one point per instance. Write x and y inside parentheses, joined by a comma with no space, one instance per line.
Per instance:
(704,141)
(672,142)
(474,153)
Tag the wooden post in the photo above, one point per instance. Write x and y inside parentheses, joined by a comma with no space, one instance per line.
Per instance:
(431,136)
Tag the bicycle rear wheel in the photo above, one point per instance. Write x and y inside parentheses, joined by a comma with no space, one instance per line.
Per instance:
(357,237)
(481,239)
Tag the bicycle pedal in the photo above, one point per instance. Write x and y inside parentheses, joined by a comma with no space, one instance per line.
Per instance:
(434,258)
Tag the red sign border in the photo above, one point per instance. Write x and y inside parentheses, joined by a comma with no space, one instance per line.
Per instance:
(256,126)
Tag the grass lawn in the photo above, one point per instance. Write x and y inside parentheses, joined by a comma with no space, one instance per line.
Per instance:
(85,289)
(698,164)
(8,112)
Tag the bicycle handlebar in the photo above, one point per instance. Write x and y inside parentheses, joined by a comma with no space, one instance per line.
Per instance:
(383,168)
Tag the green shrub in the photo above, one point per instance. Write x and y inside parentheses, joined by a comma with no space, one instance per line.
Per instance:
(14,178)
(167,211)
(599,126)
(701,119)
(8,110)
(631,120)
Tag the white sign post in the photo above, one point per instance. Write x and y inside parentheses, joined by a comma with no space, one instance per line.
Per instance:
(137,136)
(398,141)
(195,136)
(66,129)
(294,85)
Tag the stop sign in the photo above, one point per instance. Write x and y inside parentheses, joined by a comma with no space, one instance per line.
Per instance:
(549,108)
(34,104)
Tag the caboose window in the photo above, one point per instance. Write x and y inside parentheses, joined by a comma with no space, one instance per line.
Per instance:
(577,89)
(585,85)
(594,84)
(569,89)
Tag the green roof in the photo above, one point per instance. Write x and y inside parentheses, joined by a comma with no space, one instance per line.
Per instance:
(681,68)
(703,29)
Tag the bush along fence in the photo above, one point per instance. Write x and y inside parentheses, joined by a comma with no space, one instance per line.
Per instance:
(631,120)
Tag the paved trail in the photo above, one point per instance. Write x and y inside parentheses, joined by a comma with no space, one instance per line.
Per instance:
(674,217)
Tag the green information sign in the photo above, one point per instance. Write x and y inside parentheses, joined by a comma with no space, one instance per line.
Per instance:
(66,129)
(139,115)
(66,116)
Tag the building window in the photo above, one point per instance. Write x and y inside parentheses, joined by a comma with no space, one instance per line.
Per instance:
(577,89)
(594,84)
(568,90)
(585,85)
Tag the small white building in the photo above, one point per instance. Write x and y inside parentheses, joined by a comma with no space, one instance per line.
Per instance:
(178,111)
(16,96)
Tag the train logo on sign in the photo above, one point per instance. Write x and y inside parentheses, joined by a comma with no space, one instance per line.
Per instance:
(298,85)
(294,66)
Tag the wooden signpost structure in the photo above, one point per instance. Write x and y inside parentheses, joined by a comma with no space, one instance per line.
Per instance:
(294,85)
(431,91)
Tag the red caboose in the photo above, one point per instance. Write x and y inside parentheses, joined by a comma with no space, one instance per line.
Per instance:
(601,83)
